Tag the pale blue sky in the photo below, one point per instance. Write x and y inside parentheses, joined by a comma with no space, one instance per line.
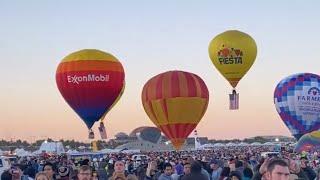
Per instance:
(150,37)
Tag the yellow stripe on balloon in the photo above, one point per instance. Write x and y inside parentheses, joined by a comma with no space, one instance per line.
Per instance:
(315,134)
(180,110)
(185,110)
(159,112)
(90,54)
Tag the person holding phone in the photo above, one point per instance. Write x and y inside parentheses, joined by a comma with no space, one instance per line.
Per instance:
(152,172)
(17,173)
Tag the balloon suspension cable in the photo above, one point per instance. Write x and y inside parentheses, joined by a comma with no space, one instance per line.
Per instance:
(91,134)
(234,100)
(234,91)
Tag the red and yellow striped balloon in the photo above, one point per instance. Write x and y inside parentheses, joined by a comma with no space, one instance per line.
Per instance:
(175,101)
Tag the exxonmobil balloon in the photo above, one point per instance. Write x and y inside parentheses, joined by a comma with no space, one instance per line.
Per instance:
(90,81)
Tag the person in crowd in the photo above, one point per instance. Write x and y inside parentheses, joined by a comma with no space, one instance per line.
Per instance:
(277,169)
(152,172)
(6,175)
(64,173)
(166,175)
(235,175)
(41,176)
(310,173)
(216,170)
(186,171)
(195,173)
(296,171)
(225,173)
(247,174)
(85,173)
(49,169)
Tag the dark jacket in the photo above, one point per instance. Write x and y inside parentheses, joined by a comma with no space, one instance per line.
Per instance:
(309,172)
(303,175)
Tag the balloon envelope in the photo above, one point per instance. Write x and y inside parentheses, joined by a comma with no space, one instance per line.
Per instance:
(175,101)
(90,81)
(233,53)
(308,142)
(297,100)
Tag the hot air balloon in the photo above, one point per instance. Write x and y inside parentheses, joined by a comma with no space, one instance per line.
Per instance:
(297,100)
(233,53)
(175,101)
(308,142)
(90,81)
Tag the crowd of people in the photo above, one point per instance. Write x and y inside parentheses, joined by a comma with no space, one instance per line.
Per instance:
(238,163)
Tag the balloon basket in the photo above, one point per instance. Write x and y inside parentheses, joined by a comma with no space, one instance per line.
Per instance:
(91,134)
(102,131)
(234,100)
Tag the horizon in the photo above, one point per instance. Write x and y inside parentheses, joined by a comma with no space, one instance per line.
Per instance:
(149,38)
(106,140)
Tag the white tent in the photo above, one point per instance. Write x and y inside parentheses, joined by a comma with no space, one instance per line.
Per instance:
(22,153)
(269,144)
(51,147)
(207,146)
(231,144)
(107,151)
(243,144)
(70,151)
(218,145)
(131,151)
(256,144)
(81,147)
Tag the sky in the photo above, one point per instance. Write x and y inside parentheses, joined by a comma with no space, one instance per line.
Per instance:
(149,37)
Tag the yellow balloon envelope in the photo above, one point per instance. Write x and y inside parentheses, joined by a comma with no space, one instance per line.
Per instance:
(233,53)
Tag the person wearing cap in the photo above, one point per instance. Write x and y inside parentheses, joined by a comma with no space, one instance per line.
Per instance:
(216,170)
(110,169)
(63,173)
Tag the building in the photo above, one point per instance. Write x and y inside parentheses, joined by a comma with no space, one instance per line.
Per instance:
(147,138)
